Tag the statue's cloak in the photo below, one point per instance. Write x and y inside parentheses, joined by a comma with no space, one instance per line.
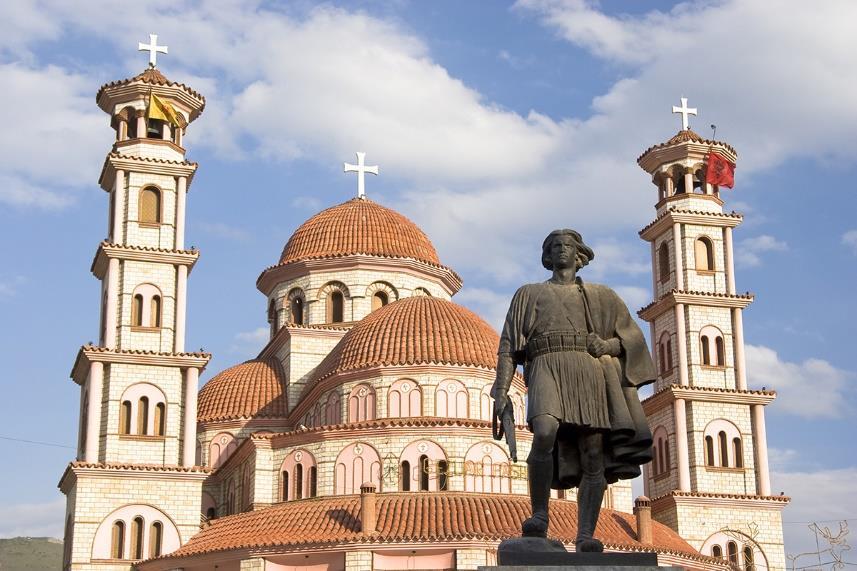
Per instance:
(628,441)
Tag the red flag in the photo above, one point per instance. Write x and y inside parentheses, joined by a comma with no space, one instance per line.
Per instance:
(720,171)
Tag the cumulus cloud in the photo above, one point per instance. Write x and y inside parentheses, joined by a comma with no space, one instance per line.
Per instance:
(849,239)
(813,388)
(33,519)
(225,231)
(749,252)
(9,286)
(490,305)
(247,344)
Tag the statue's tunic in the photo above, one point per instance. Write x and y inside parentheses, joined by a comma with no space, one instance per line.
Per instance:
(546,330)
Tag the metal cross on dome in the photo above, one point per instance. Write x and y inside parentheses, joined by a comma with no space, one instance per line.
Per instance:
(361,169)
(153,48)
(685,111)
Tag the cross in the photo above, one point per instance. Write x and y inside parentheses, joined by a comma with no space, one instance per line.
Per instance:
(685,111)
(361,169)
(153,48)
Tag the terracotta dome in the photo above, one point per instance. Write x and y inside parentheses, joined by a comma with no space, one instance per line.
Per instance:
(253,389)
(415,330)
(359,226)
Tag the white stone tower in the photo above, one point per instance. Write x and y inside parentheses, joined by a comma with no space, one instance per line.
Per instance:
(134,490)
(709,480)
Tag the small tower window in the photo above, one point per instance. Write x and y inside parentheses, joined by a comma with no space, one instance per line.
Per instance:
(664,262)
(442,475)
(299,481)
(313,481)
(424,473)
(155,308)
(160,418)
(117,540)
(211,514)
(125,417)
(156,538)
(709,451)
(137,538)
(718,346)
(732,550)
(137,310)
(717,551)
(405,476)
(150,205)
(706,352)
(297,308)
(285,486)
(738,452)
(155,129)
(749,564)
(379,300)
(724,449)
(704,254)
(142,415)
(335,305)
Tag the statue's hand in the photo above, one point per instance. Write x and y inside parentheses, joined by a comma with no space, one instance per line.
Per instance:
(500,402)
(597,347)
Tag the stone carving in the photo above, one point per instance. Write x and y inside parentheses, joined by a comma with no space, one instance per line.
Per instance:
(584,358)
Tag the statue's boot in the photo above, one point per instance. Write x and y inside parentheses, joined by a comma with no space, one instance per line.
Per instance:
(541,475)
(589,498)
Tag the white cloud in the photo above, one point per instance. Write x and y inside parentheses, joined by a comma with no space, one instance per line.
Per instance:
(850,239)
(9,287)
(33,520)
(490,305)
(634,297)
(813,388)
(247,344)
(749,252)
(224,231)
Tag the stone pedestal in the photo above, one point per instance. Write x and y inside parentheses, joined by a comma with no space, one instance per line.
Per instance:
(539,554)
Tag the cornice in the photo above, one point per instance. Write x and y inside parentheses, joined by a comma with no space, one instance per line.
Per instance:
(128,90)
(116,161)
(107,250)
(274,275)
(77,469)
(91,353)
(699,298)
(665,221)
(688,151)
(706,394)
(707,499)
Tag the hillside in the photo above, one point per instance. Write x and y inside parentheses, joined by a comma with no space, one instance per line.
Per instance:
(30,554)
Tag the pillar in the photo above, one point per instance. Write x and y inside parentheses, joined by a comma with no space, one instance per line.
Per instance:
(181,199)
(738,341)
(669,188)
(95,382)
(681,445)
(763,476)
(141,125)
(166,132)
(678,255)
(688,182)
(730,260)
(112,303)
(122,132)
(191,388)
(118,206)
(681,339)
(181,309)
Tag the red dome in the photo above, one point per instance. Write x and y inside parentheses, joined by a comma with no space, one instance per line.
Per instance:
(253,389)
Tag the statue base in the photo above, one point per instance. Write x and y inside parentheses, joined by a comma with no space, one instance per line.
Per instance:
(538,553)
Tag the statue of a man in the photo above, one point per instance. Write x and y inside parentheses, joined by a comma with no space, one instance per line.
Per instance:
(584,358)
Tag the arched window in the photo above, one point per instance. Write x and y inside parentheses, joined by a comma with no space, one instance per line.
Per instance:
(285,486)
(160,418)
(405,476)
(117,540)
(451,400)
(724,449)
(661,451)
(421,291)
(404,399)
(665,349)
(220,448)
(299,481)
(272,316)
(125,417)
(211,513)
(297,309)
(749,564)
(424,473)
(442,475)
(709,451)
(313,482)
(356,463)
(719,353)
(704,254)
(379,300)
(711,346)
(656,468)
(230,497)
(150,205)
(142,415)
(705,350)
(738,452)
(155,312)
(487,469)
(732,550)
(335,307)
(137,310)
(156,538)
(361,404)
(664,262)
(717,551)
(137,538)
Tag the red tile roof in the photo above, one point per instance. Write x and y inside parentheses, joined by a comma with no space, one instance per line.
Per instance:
(252,389)
(154,77)
(414,517)
(359,226)
(686,136)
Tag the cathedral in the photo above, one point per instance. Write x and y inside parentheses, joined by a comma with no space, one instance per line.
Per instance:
(359,437)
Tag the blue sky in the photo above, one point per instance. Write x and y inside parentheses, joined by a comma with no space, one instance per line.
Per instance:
(492,122)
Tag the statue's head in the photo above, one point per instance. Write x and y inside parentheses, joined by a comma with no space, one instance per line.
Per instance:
(583,254)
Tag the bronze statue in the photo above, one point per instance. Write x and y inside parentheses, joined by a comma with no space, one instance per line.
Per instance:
(584,358)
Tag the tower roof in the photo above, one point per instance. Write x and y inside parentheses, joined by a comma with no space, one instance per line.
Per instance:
(683,137)
(151,79)
(252,389)
(359,226)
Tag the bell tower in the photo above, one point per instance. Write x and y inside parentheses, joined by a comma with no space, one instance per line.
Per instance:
(134,490)
(709,479)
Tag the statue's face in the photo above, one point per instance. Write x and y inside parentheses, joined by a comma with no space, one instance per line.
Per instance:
(563,252)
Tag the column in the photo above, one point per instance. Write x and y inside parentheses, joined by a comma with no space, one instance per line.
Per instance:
(122,133)
(181,309)
(178,136)
(181,199)
(166,133)
(688,182)
(738,341)
(95,382)
(730,260)
(112,303)
(681,339)
(668,186)
(118,206)
(681,445)
(141,125)
(678,255)
(191,388)
(655,295)
(760,443)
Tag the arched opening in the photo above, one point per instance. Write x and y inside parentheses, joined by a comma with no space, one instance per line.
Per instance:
(142,415)
(155,315)
(156,538)
(211,514)
(421,291)
(137,310)
(664,262)
(285,486)
(117,540)
(335,307)
(272,316)
(150,206)
(656,468)
(732,550)
(424,473)
(719,353)
(155,129)
(704,254)
(299,481)
(137,538)
(297,309)
(717,551)
(125,417)
(706,353)
(724,449)
(405,476)
(442,475)
(379,300)
(160,418)
(749,564)
(313,481)
(738,452)
(709,451)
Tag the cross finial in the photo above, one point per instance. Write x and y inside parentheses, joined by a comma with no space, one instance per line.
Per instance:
(685,111)
(361,169)
(153,48)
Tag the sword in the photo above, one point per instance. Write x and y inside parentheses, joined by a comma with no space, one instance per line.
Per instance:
(506,427)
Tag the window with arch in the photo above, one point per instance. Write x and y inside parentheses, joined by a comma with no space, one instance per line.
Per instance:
(422,460)
(125,417)
(230,497)
(737,548)
(296,306)
(421,291)
(665,352)
(424,467)
(356,463)
(156,538)
(143,415)
(749,564)
(220,448)
(380,294)
(723,442)
(405,476)
(486,403)
(361,403)
(723,445)
(143,406)
(160,419)
(134,532)
(333,408)
(272,315)
(379,300)
(146,306)
(717,551)
(709,450)
(117,540)
(737,453)
(487,469)
(335,307)
(299,476)
(137,528)
(704,254)
(732,550)
(711,347)
(664,262)
(404,399)
(150,205)
(660,452)
(451,399)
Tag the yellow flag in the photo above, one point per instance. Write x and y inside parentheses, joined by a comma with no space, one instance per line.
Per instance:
(160,109)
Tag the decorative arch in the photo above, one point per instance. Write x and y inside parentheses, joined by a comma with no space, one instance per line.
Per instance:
(298,476)
(146,306)
(404,399)
(333,408)
(127,531)
(487,468)
(150,205)
(711,348)
(451,399)
(143,406)
(221,448)
(660,452)
(356,463)
(703,253)
(723,446)
(423,466)
(736,547)
(518,407)
(381,293)
(296,301)
(664,262)
(421,291)
(361,403)
(334,295)
(665,353)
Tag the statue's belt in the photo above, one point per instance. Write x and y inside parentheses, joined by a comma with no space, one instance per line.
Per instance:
(556,343)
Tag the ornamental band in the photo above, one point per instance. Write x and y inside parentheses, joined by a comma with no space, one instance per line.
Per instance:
(584,358)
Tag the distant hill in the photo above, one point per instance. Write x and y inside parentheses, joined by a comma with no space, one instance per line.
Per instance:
(30,554)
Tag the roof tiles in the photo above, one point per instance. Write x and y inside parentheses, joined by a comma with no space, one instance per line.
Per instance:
(254,388)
